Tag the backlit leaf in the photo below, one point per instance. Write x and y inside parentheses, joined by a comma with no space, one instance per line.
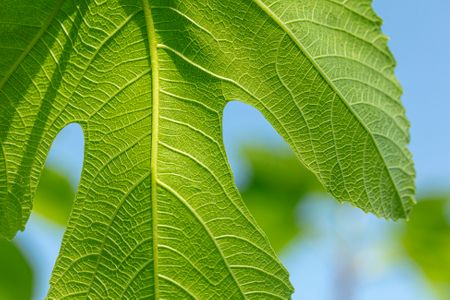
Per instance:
(157,214)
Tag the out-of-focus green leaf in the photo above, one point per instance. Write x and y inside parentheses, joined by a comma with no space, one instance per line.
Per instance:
(427,241)
(278,183)
(16,276)
(54,196)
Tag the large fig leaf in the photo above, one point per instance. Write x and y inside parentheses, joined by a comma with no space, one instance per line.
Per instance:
(157,214)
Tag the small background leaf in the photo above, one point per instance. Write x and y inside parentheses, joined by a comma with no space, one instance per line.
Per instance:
(16,277)
(427,241)
(54,196)
(277,184)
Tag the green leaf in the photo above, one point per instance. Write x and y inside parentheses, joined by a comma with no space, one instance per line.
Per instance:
(54,196)
(157,214)
(16,276)
(427,241)
(278,183)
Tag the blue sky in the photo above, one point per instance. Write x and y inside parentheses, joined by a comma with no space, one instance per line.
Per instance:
(420,41)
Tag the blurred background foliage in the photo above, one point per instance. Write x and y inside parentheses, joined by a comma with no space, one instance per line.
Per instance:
(274,192)
(276,185)
(426,240)
(53,201)
(54,196)
(16,276)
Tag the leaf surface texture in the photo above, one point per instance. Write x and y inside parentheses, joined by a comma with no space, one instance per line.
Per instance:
(157,214)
